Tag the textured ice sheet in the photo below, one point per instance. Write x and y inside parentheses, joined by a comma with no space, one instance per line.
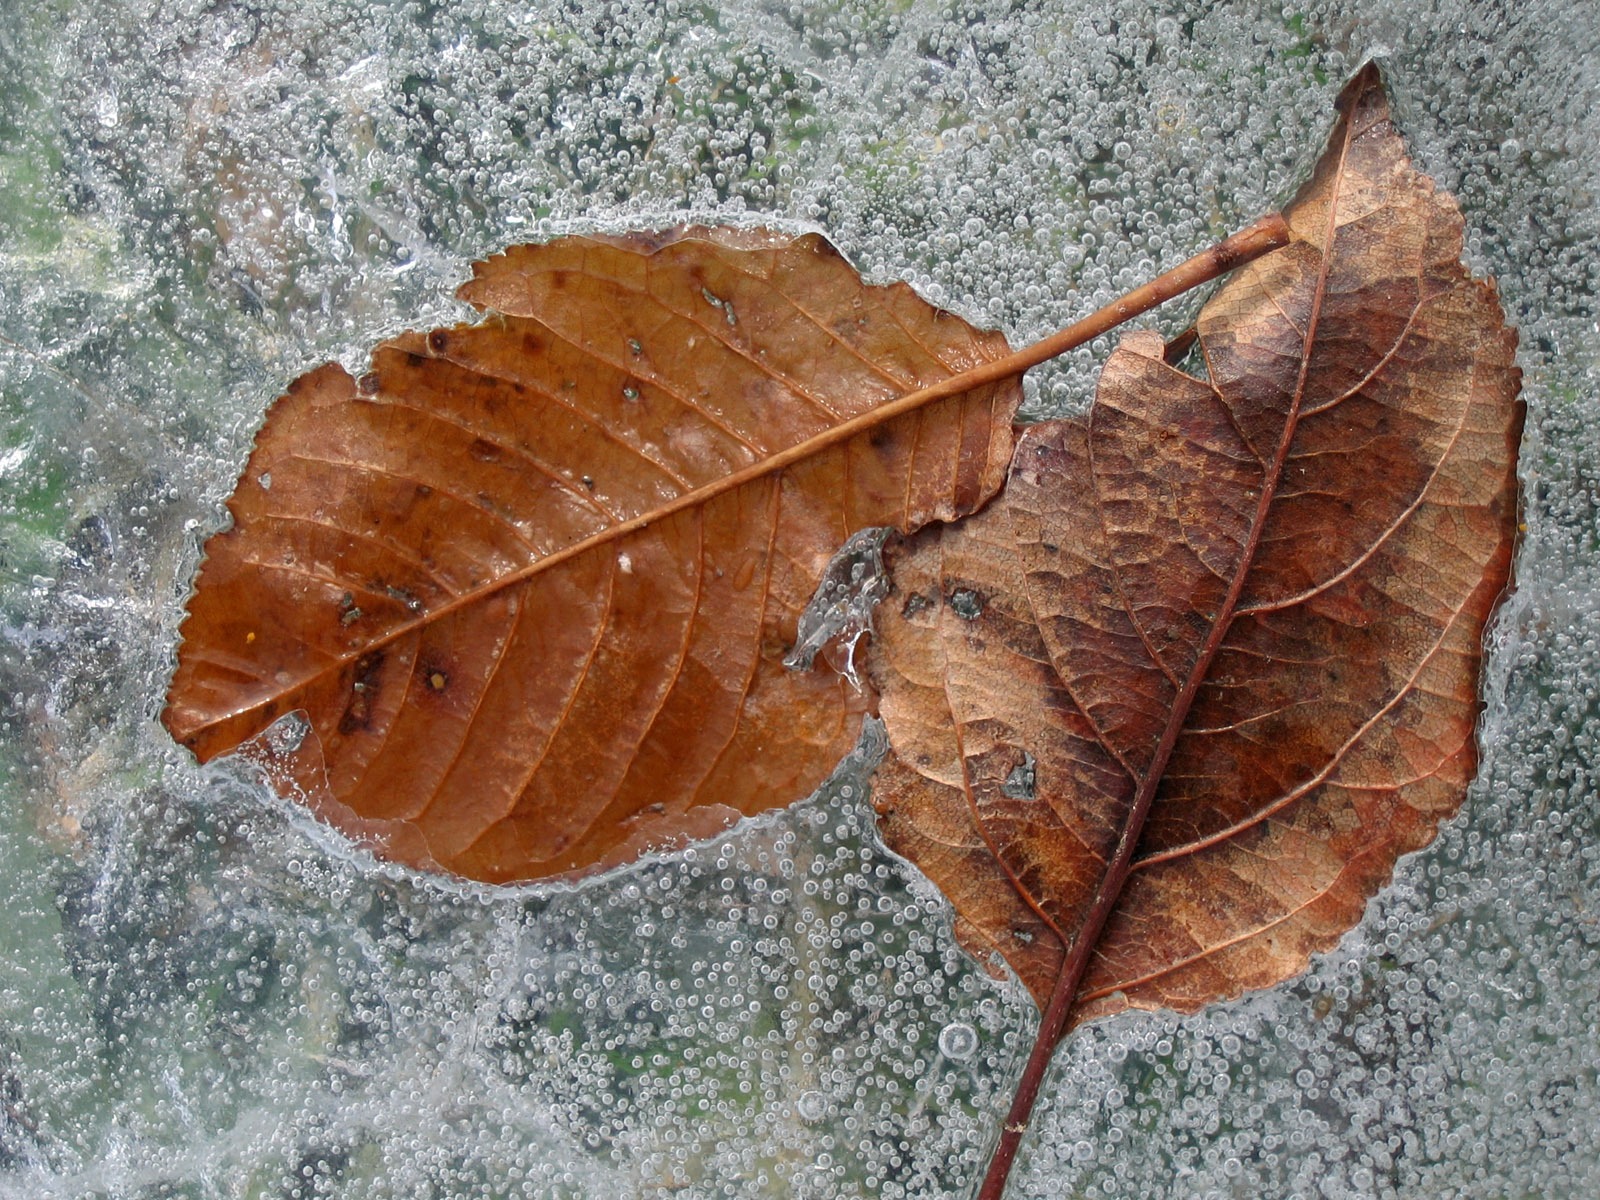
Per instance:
(202,993)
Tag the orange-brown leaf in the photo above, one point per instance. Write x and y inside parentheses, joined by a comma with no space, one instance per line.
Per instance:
(532,581)
(1182,696)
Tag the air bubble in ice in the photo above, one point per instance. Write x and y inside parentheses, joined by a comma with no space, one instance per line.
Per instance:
(811,1106)
(287,734)
(958,1041)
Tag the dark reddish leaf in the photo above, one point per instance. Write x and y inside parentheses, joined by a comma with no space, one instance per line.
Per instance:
(1165,715)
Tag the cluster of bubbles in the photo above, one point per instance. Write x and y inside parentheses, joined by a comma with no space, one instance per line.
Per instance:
(772,1015)
(205,993)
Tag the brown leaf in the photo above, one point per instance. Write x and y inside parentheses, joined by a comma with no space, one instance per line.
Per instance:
(1165,715)
(532,580)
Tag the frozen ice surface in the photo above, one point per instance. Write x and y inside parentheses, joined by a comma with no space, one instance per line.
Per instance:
(205,994)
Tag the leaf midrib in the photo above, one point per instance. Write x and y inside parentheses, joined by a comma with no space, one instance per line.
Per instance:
(955,385)
(1107,893)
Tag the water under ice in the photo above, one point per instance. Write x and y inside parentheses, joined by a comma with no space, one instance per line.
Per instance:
(205,994)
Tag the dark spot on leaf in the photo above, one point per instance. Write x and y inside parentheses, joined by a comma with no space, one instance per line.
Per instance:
(367,385)
(1019,785)
(363,689)
(409,599)
(438,341)
(966,604)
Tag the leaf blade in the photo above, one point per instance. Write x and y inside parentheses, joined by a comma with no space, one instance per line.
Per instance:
(1202,559)
(1344,500)
(685,417)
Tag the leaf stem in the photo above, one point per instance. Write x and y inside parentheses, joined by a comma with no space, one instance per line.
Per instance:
(1266,234)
